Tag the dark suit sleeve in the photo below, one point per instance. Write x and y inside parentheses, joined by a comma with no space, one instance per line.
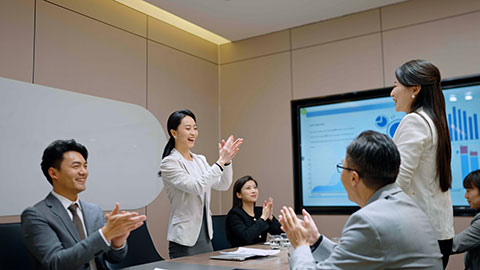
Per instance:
(112,255)
(44,241)
(243,234)
(275,227)
(467,239)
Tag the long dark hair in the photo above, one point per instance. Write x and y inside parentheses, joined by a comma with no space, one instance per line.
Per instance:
(430,97)
(237,188)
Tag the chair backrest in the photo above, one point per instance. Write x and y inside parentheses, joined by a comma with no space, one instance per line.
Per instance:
(140,249)
(219,240)
(13,253)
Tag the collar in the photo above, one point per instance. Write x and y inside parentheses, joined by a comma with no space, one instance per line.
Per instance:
(175,153)
(66,202)
(384,192)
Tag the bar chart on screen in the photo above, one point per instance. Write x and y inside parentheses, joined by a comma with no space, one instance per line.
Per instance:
(462,116)
(463,126)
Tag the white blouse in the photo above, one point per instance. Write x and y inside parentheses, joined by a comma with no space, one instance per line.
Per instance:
(417,142)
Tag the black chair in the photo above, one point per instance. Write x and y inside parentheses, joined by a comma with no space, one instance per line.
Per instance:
(219,240)
(140,249)
(13,253)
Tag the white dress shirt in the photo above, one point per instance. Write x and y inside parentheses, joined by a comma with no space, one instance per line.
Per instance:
(66,203)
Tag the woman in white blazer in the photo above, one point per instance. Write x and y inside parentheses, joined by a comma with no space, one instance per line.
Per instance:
(423,140)
(188,179)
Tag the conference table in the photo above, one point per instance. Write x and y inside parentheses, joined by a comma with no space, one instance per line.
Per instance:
(203,262)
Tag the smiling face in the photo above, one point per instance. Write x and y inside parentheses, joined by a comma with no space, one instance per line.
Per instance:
(249,192)
(473,197)
(402,96)
(71,178)
(186,133)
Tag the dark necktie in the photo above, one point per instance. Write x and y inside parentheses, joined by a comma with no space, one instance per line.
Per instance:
(76,220)
(79,226)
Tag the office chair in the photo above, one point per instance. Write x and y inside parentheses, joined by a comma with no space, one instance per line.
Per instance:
(219,240)
(13,253)
(140,249)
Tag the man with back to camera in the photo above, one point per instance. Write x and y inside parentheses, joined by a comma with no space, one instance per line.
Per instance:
(388,232)
(63,232)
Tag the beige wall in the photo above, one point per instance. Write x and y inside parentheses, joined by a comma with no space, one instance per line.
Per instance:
(259,77)
(105,49)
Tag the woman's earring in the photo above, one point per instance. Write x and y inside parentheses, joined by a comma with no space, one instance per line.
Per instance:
(413,96)
(175,137)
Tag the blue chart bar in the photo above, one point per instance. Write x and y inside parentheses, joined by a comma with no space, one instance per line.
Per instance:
(474,160)
(451,127)
(471,128)
(475,122)
(468,161)
(464,127)
(460,125)
(454,123)
(464,161)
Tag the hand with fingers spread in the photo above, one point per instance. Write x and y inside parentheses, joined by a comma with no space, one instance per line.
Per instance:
(120,224)
(297,233)
(227,150)
(267,212)
(309,224)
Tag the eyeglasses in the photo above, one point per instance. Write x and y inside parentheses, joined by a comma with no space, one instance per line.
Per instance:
(340,168)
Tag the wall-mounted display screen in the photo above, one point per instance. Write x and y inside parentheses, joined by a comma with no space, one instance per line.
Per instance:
(323,127)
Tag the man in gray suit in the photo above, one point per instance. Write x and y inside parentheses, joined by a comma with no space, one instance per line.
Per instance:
(388,232)
(63,232)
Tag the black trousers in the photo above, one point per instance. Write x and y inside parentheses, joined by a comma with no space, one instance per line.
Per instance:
(446,250)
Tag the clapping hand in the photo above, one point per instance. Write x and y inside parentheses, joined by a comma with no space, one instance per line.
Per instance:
(227,150)
(120,224)
(296,229)
(309,224)
(267,212)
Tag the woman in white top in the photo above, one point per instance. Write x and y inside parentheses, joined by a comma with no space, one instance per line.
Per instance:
(188,179)
(423,140)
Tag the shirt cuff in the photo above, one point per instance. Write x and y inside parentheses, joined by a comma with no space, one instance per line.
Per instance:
(109,243)
(314,246)
(103,237)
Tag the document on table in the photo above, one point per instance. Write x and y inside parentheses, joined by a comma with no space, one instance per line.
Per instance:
(251,251)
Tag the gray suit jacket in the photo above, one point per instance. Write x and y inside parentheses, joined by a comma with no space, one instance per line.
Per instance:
(389,232)
(54,243)
(469,241)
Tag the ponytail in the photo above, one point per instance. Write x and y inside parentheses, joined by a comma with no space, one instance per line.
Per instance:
(169,147)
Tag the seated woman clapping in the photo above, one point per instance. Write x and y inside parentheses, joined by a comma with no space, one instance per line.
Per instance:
(247,224)
(469,239)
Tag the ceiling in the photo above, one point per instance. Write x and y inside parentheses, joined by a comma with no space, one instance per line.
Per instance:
(241,19)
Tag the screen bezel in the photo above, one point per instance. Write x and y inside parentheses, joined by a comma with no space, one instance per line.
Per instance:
(296,105)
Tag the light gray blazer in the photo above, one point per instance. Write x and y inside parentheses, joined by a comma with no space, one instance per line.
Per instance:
(389,232)
(469,241)
(188,195)
(54,243)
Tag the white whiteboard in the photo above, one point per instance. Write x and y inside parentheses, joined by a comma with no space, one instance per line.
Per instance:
(125,144)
